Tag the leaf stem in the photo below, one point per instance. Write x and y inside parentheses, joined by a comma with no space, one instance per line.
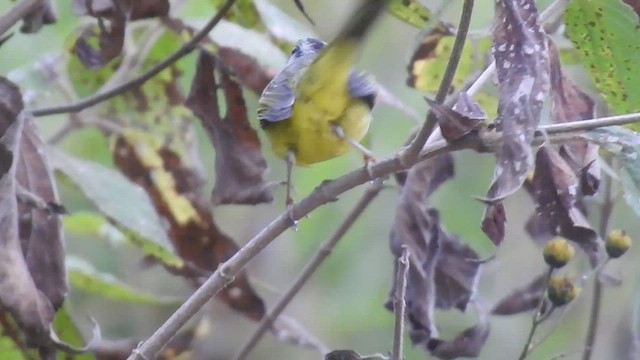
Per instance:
(399,305)
(410,155)
(185,49)
(606,208)
(538,317)
(318,258)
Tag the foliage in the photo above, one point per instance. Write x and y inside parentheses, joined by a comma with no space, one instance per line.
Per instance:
(175,98)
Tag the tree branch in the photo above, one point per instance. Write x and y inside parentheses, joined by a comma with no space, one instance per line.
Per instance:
(323,194)
(399,305)
(410,155)
(537,316)
(16,13)
(323,252)
(185,49)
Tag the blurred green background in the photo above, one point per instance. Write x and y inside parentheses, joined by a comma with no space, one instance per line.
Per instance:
(343,304)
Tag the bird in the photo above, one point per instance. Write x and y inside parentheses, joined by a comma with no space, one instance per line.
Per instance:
(319,107)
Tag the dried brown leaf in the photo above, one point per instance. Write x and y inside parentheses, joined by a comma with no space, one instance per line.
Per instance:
(443,270)
(465,117)
(468,343)
(523,299)
(97,45)
(569,103)
(555,190)
(44,14)
(240,165)
(133,9)
(522,66)
(19,294)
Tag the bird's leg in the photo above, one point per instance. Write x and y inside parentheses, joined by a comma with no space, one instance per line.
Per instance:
(290,159)
(369,157)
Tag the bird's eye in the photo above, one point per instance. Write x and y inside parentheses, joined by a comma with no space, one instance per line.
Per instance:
(296,51)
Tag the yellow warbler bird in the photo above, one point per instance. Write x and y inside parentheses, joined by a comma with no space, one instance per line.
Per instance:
(318,107)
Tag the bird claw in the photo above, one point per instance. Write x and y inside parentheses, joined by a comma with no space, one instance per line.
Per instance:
(369,161)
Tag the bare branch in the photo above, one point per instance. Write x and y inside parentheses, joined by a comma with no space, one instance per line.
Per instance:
(185,49)
(411,153)
(399,305)
(318,258)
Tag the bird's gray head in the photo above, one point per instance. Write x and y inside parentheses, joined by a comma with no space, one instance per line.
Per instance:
(306,47)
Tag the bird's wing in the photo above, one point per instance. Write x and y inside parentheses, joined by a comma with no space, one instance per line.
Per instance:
(363,85)
(276,102)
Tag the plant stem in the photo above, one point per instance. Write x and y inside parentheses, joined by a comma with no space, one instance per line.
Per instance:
(412,151)
(537,316)
(318,258)
(16,13)
(399,305)
(606,209)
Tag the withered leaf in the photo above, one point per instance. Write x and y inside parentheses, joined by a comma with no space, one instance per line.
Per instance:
(522,66)
(97,45)
(19,294)
(176,194)
(468,343)
(465,117)
(493,222)
(40,228)
(443,271)
(44,14)
(426,51)
(569,103)
(134,9)
(554,188)
(240,166)
(523,299)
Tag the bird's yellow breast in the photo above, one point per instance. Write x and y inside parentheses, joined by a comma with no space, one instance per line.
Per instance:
(309,133)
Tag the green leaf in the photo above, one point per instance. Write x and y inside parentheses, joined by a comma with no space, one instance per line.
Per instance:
(9,349)
(606,33)
(243,13)
(411,12)
(94,224)
(85,277)
(68,331)
(624,144)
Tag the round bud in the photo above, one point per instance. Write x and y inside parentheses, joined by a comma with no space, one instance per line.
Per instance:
(558,252)
(561,291)
(618,242)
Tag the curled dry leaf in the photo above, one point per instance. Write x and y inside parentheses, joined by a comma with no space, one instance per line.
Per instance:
(32,276)
(43,14)
(443,271)
(569,103)
(465,117)
(240,166)
(97,45)
(133,9)
(468,343)
(524,299)
(522,66)
(555,190)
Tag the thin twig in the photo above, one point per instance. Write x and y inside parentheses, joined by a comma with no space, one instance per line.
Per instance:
(185,49)
(412,151)
(318,258)
(606,208)
(537,316)
(323,194)
(399,305)
(17,13)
